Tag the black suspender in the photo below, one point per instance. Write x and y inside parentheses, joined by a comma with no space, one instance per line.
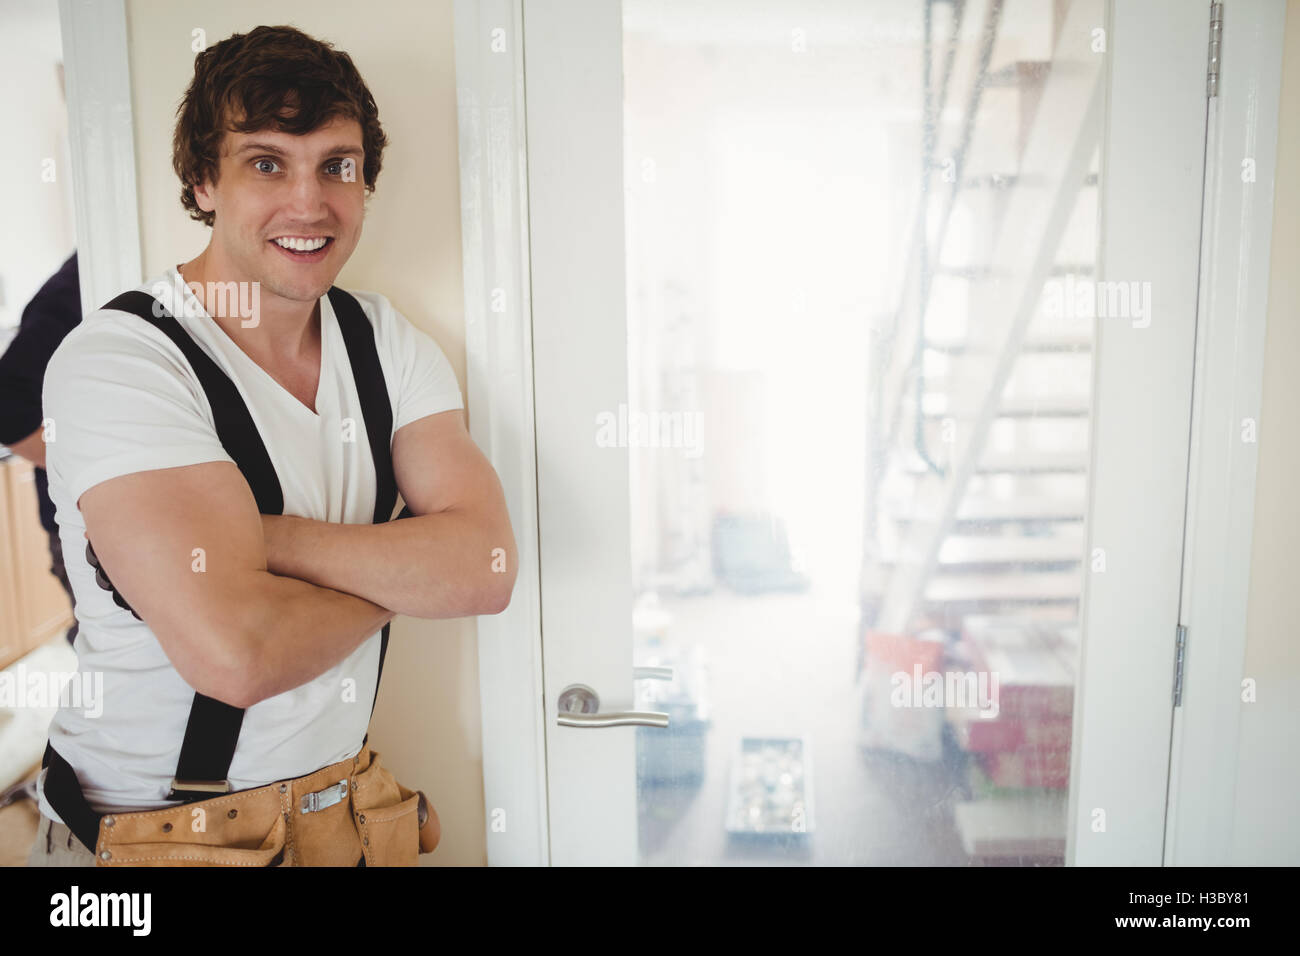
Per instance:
(359,337)
(235,428)
(212,731)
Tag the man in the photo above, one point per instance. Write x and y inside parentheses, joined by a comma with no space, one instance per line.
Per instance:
(53,312)
(196,591)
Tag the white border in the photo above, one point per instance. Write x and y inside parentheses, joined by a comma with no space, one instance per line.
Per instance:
(499,380)
(1237,233)
(102,144)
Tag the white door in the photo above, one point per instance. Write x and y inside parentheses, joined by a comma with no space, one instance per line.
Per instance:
(862,351)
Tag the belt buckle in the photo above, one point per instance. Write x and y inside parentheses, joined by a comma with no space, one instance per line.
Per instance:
(311,802)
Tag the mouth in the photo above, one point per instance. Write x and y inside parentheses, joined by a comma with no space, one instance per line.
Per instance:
(303,248)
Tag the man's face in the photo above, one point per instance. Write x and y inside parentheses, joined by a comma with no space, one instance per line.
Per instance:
(278,186)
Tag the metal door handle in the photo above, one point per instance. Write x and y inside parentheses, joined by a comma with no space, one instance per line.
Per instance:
(626,718)
(578,706)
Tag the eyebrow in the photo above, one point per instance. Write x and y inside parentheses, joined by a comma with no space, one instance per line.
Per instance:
(276,150)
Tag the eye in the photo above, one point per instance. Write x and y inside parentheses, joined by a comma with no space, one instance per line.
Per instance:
(334,167)
(257,164)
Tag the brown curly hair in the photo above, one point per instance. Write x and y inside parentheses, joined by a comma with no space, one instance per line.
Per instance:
(270,77)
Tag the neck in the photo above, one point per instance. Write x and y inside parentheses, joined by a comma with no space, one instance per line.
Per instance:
(280,331)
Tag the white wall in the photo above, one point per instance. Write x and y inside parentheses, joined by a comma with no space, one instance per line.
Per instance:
(427,721)
(39,233)
(1266,826)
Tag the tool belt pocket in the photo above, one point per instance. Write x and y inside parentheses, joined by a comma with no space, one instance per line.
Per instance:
(387,816)
(244,829)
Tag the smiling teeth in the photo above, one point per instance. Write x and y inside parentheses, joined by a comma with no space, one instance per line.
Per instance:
(301,245)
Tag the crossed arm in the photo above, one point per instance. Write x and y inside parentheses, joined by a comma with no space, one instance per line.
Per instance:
(455,558)
(248,606)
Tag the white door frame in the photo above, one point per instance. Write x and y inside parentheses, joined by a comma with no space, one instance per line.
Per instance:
(1236,242)
(574,55)
(101,140)
(1152,155)
(499,381)
(1141,536)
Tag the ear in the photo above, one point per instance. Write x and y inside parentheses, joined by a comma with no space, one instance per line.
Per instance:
(203,196)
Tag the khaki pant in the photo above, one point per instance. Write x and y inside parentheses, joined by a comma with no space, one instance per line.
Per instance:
(351,813)
(56,846)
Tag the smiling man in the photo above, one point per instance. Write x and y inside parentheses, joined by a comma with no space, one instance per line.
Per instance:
(224,479)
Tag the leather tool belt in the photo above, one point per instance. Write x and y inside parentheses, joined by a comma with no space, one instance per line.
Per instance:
(351,813)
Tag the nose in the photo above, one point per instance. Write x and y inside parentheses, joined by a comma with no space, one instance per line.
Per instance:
(306,198)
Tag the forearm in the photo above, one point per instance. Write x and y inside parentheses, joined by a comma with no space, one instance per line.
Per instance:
(32,448)
(442,565)
(296,631)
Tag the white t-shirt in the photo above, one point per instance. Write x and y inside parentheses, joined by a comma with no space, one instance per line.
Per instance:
(122,398)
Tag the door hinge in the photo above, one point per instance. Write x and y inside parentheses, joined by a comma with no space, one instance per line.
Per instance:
(1216,43)
(1180,653)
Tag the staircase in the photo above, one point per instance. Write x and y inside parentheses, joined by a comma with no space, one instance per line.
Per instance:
(980,455)
(981,396)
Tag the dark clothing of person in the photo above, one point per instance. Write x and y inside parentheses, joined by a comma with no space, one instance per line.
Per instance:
(58,569)
(54,311)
